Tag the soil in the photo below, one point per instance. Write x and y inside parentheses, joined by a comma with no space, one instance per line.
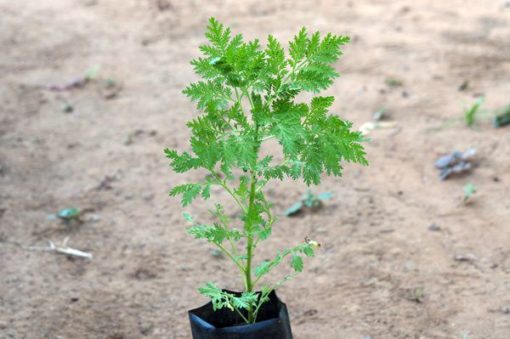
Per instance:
(383,272)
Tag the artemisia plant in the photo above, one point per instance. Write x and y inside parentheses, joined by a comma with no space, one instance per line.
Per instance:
(248,95)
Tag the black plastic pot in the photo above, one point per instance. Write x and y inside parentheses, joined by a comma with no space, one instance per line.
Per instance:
(272,322)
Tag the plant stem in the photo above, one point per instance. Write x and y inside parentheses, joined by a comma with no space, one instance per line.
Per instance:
(248,226)
(249,244)
(229,191)
(242,316)
(229,255)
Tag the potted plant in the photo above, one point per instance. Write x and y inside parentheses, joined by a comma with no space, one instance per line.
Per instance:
(248,95)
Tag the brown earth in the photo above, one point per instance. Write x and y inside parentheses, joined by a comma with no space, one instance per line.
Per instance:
(378,252)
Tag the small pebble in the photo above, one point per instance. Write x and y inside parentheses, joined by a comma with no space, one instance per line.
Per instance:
(379,115)
(410,266)
(89,3)
(464,86)
(148,196)
(129,140)
(434,227)
(67,108)
(146,329)
(465,257)
(217,253)
(94,218)
(310,312)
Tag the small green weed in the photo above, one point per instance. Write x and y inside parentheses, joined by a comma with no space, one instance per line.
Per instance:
(308,200)
(469,191)
(393,82)
(470,113)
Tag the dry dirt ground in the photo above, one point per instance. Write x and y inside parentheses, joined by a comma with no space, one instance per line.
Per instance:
(382,272)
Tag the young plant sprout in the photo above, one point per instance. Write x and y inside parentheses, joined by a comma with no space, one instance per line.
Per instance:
(502,118)
(469,191)
(308,200)
(248,95)
(471,112)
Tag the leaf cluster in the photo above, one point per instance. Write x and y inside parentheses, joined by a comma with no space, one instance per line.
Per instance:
(234,72)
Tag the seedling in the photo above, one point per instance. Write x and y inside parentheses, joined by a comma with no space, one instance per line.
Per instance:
(471,115)
(393,82)
(417,295)
(248,95)
(68,214)
(503,118)
(471,112)
(308,200)
(91,73)
(469,191)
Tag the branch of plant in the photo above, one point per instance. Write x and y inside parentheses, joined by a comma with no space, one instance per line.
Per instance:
(245,92)
(242,316)
(285,78)
(229,255)
(232,244)
(284,255)
(260,303)
(269,224)
(274,287)
(229,191)
(237,94)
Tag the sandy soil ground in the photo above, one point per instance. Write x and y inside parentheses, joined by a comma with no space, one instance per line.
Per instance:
(382,272)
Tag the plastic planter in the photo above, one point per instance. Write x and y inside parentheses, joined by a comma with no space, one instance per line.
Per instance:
(272,322)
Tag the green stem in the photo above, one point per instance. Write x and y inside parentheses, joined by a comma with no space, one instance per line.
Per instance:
(262,297)
(242,316)
(245,92)
(249,243)
(237,94)
(248,226)
(273,287)
(228,254)
(229,191)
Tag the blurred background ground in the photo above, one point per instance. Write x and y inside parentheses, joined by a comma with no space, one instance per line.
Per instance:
(382,273)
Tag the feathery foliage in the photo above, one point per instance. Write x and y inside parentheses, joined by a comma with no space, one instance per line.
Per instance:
(248,95)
